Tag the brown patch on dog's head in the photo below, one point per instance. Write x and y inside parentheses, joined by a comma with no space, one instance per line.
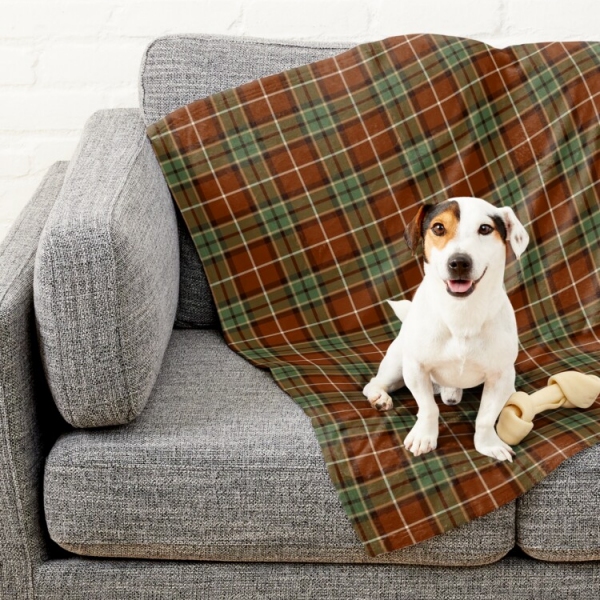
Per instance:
(440,226)
(499,227)
(446,214)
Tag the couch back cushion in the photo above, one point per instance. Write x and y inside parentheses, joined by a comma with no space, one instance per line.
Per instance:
(177,70)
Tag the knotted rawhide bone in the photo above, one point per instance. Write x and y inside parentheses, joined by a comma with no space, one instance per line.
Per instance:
(569,389)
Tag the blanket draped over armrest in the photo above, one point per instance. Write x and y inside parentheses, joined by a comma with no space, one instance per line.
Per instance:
(296,189)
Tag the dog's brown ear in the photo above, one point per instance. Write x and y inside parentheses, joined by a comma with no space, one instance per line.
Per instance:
(413,233)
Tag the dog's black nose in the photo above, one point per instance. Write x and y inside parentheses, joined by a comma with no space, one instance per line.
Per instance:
(460,265)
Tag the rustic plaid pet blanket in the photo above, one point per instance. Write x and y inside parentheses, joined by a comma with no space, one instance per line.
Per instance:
(297,188)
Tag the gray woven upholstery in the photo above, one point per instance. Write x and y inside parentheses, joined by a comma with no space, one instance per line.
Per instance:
(24,401)
(180,69)
(559,519)
(107,274)
(221,465)
(196,308)
(509,579)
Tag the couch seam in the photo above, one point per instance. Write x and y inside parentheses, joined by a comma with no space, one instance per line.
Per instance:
(15,488)
(13,483)
(255,41)
(492,558)
(21,224)
(292,43)
(118,312)
(61,378)
(141,88)
(537,552)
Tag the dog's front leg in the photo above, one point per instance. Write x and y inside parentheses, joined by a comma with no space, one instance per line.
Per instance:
(423,436)
(496,391)
(388,378)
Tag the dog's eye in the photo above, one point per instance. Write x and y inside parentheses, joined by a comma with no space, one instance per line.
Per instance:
(438,229)
(486,229)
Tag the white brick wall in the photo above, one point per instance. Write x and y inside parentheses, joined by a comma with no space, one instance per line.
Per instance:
(60,60)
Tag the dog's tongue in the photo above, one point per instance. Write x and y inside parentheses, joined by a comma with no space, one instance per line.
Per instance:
(459,286)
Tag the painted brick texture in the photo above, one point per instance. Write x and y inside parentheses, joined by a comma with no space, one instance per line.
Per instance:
(60,60)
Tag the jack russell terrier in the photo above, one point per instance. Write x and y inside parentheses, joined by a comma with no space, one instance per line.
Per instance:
(459,331)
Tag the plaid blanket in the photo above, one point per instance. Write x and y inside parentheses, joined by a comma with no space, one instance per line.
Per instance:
(297,188)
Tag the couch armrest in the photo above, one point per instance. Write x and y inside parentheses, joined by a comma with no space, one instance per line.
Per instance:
(106,279)
(24,398)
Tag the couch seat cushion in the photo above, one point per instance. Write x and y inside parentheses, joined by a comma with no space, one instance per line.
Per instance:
(221,465)
(559,519)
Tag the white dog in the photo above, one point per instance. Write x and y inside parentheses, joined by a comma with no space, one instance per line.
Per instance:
(460,329)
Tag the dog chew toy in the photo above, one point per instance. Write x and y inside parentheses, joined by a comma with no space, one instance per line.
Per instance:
(569,389)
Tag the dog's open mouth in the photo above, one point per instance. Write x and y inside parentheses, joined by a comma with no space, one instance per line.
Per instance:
(460,288)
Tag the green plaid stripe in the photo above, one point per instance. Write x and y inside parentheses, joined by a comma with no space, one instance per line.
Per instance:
(297,188)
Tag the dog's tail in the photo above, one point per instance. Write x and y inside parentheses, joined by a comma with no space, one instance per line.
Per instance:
(400,307)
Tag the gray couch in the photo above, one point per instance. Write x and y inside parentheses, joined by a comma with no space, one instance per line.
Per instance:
(141,458)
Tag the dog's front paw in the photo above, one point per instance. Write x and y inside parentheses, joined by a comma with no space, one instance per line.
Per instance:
(381,401)
(491,445)
(422,438)
(377,397)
